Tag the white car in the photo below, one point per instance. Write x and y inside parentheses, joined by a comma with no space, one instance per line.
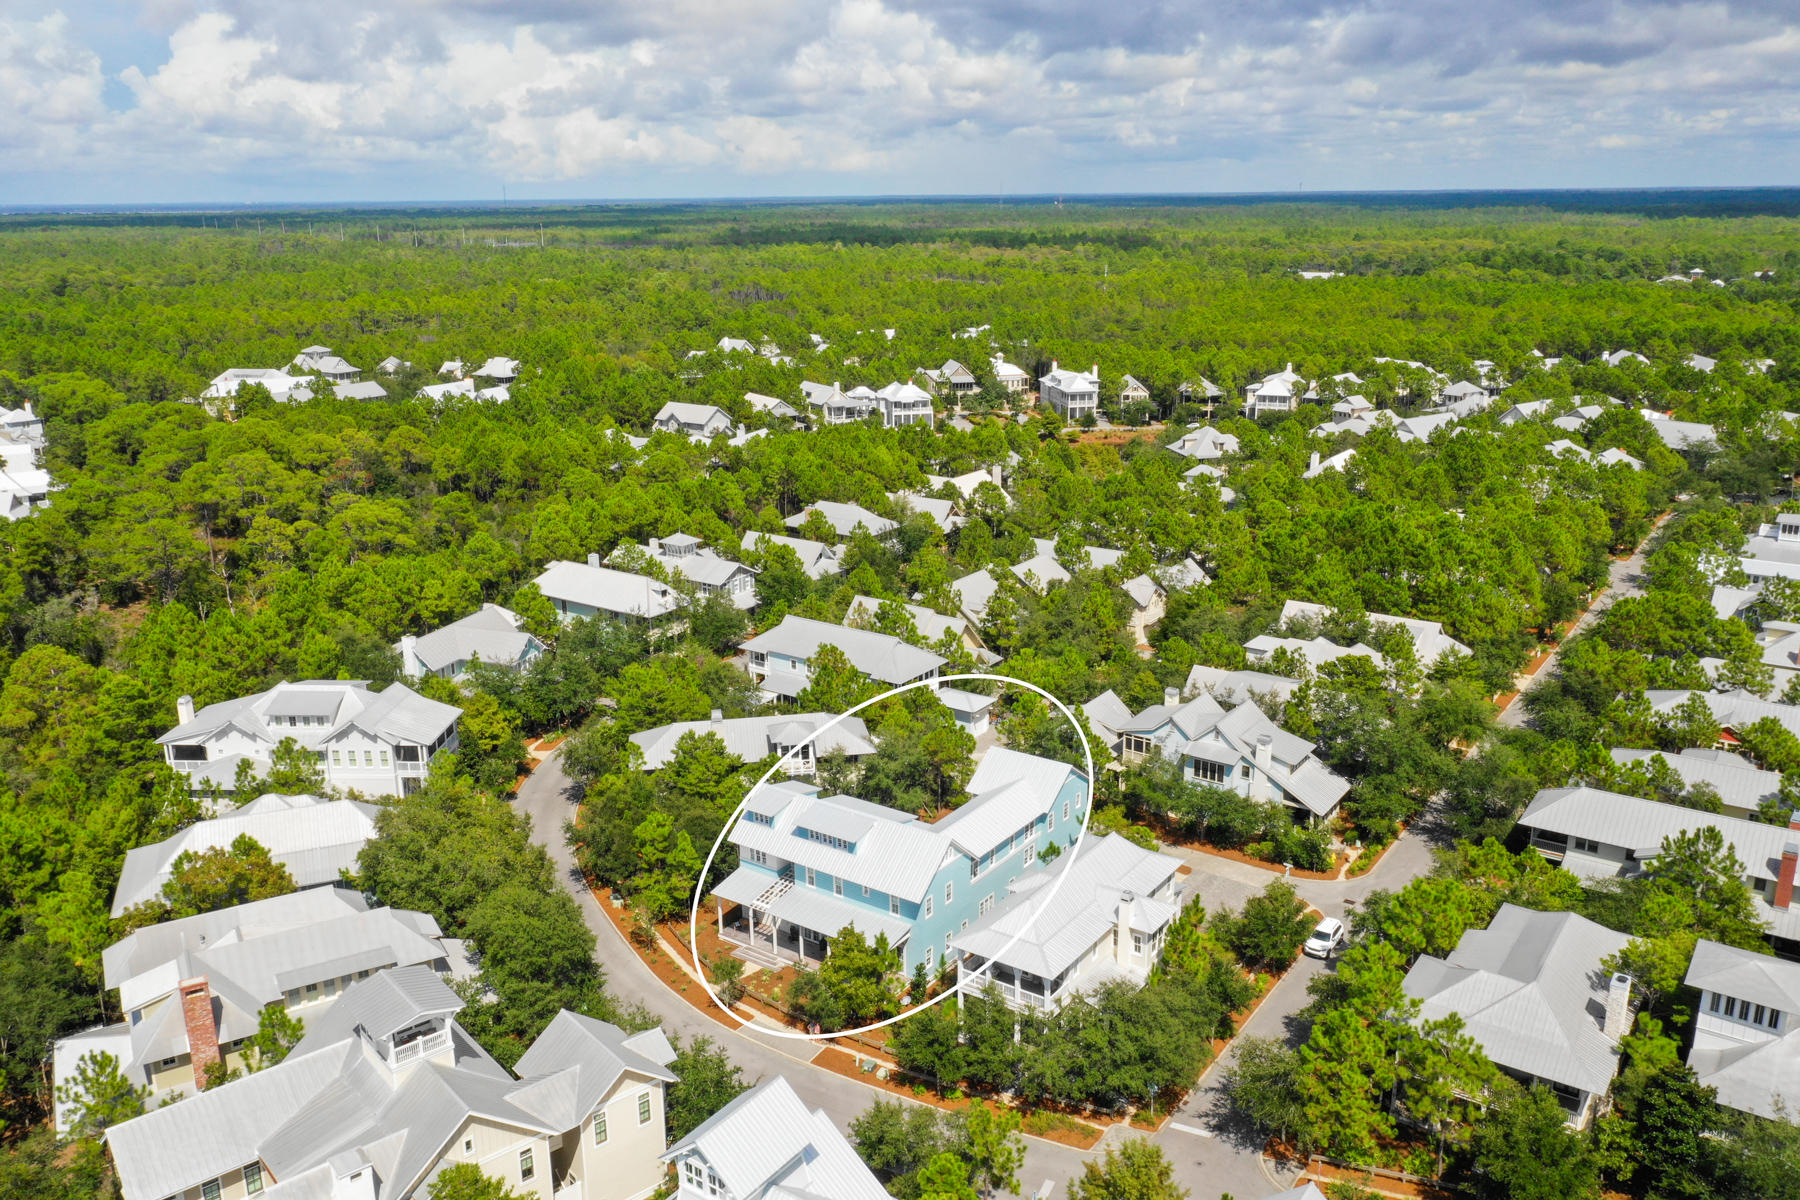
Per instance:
(1329,935)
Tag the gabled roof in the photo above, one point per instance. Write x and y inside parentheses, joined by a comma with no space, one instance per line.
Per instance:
(766,1145)
(1086,909)
(881,657)
(491,633)
(753,738)
(1531,992)
(396,713)
(366,390)
(843,518)
(1739,782)
(608,590)
(931,624)
(313,837)
(816,558)
(1430,642)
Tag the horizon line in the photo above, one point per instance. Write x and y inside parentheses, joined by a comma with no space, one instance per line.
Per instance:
(210,206)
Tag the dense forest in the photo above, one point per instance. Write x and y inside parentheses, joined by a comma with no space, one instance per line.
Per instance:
(211,550)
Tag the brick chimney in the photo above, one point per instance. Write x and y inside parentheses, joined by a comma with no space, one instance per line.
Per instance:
(1784,883)
(202,1029)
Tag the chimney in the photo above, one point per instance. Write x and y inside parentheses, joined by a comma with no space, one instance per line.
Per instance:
(1053,366)
(184,709)
(1171,696)
(994,473)
(1095,373)
(1313,463)
(655,546)
(593,560)
(718,716)
(1265,753)
(1618,1006)
(1122,946)
(407,644)
(202,1029)
(1784,884)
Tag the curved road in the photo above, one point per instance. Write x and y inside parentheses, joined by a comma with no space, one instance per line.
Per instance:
(1207,1161)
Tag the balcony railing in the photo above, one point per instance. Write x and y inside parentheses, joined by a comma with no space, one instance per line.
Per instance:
(429,1046)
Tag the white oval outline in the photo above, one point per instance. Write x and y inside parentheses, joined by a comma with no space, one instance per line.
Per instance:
(1087,812)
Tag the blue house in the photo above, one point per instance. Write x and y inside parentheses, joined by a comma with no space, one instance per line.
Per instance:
(811,865)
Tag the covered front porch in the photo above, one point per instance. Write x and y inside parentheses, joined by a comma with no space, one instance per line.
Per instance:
(774,920)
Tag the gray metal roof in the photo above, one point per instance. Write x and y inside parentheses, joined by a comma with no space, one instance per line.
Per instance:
(766,1144)
(1085,910)
(843,518)
(1747,974)
(397,713)
(382,1004)
(753,738)
(607,590)
(877,655)
(491,633)
(1739,782)
(1531,992)
(1736,709)
(816,558)
(313,837)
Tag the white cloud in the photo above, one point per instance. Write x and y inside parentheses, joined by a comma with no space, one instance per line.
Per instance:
(919,95)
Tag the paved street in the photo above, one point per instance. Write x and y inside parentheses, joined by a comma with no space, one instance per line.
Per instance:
(1207,1161)
(1625,578)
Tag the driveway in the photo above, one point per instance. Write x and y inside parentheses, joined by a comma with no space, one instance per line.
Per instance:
(1625,578)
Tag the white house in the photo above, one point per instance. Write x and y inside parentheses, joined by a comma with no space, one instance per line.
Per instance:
(1773,552)
(771,406)
(1319,466)
(1106,924)
(1741,784)
(314,838)
(1203,443)
(972,710)
(844,519)
(1281,392)
(837,407)
(945,514)
(1598,834)
(379,743)
(587,590)
(714,575)
(931,624)
(1532,994)
(1430,642)
(952,377)
(904,404)
(366,390)
(500,370)
(1239,748)
(780,659)
(281,386)
(491,634)
(1616,358)
(1072,394)
(752,739)
(766,1145)
(386,1089)
(1132,390)
(1012,378)
(1314,652)
(1744,1046)
(1232,688)
(700,422)
(1694,436)
(192,991)
(816,558)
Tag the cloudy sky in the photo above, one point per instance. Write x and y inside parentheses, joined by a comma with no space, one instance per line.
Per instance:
(244,100)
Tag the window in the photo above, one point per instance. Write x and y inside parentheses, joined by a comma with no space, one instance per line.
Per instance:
(837,885)
(964,925)
(1714,1007)
(1731,1006)
(643,1108)
(1757,1019)
(759,857)
(1053,818)
(527,1168)
(690,1170)
(599,1129)
(170,1061)
(894,905)
(468,1145)
(209,1190)
(1137,943)
(1586,845)
(865,888)
(812,878)
(1774,1021)
(1065,810)
(949,891)
(987,902)
(1030,850)
(368,758)
(1133,743)
(946,946)
(384,758)
(337,758)
(928,901)
(1211,772)
(253,1183)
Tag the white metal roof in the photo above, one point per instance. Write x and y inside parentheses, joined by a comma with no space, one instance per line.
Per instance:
(877,655)
(607,590)
(766,1144)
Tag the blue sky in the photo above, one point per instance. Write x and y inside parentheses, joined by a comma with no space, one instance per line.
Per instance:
(268,100)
